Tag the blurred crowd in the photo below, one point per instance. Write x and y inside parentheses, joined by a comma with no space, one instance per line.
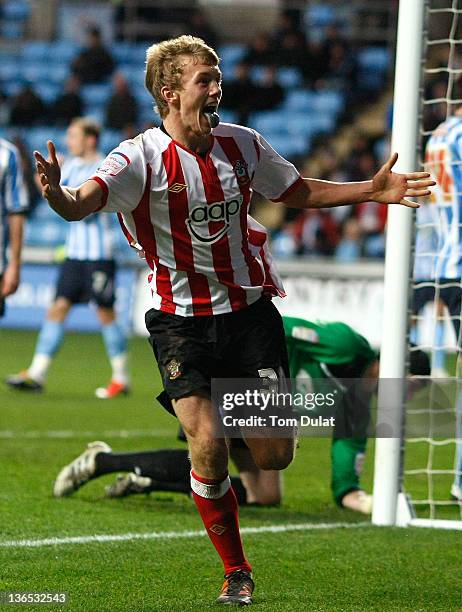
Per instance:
(346,233)
(327,62)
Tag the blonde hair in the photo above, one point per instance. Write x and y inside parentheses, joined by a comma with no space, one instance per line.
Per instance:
(165,62)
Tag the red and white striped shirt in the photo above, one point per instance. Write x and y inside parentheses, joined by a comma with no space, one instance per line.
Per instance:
(189,213)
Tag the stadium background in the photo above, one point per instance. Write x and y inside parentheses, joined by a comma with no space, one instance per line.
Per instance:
(333,122)
(315,81)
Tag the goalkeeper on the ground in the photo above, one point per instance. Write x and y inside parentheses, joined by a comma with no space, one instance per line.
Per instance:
(316,351)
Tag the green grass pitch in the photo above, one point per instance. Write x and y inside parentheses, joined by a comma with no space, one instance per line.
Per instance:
(363,568)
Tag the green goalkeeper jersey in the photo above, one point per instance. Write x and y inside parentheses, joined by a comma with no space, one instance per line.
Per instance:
(319,350)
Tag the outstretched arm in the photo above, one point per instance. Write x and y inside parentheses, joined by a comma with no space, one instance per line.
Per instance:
(386,187)
(71,204)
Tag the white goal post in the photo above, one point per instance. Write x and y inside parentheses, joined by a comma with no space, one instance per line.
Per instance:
(392,505)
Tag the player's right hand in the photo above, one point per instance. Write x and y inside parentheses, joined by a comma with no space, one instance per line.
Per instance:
(48,171)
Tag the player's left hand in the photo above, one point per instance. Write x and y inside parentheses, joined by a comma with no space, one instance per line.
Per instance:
(392,188)
(10,280)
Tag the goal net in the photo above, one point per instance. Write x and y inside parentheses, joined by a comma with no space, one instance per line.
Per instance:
(431,464)
(422,484)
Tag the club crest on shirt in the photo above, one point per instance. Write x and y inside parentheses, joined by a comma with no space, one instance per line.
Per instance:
(114,164)
(173,368)
(241,172)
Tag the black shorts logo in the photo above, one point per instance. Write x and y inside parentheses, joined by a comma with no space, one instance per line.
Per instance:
(173,368)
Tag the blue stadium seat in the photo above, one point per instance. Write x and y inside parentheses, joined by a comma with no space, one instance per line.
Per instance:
(373,63)
(374,58)
(35,72)
(122,52)
(37,137)
(138,54)
(321,123)
(63,51)
(289,77)
(257,74)
(320,15)
(15,10)
(96,112)
(110,139)
(269,122)
(47,90)
(300,123)
(231,53)
(12,87)
(95,94)
(11,30)
(142,95)
(227,116)
(10,67)
(36,51)
(289,147)
(57,73)
(330,102)
(299,100)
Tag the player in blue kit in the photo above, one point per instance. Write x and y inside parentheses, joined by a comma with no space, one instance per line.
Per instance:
(14,202)
(87,274)
(443,158)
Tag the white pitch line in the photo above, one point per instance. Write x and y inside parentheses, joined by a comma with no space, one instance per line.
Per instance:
(10,434)
(172,535)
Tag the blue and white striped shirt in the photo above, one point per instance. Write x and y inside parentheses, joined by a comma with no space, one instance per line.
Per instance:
(14,197)
(443,159)
(92,238)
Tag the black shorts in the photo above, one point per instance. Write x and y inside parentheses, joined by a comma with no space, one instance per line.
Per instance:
(190,351)
(449,292)
(82,281)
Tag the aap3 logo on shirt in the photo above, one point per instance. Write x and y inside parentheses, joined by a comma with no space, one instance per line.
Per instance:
(201,216)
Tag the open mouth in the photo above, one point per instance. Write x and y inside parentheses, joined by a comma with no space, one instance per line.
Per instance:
(210,112)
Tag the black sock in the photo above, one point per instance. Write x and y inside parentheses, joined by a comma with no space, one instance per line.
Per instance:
(239,490)
(169,465)
(169,469)
(176,487)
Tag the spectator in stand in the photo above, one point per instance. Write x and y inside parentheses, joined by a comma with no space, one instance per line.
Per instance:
(288,23)
(122,107)
(317,232)
(200,26)
(314,67)
(68,105)
(339,61)
(240,94)
(261,52)
(269,93)
(4,108)
(27,107)
(292,51)
(94,63)
(435,113)
(348,250)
